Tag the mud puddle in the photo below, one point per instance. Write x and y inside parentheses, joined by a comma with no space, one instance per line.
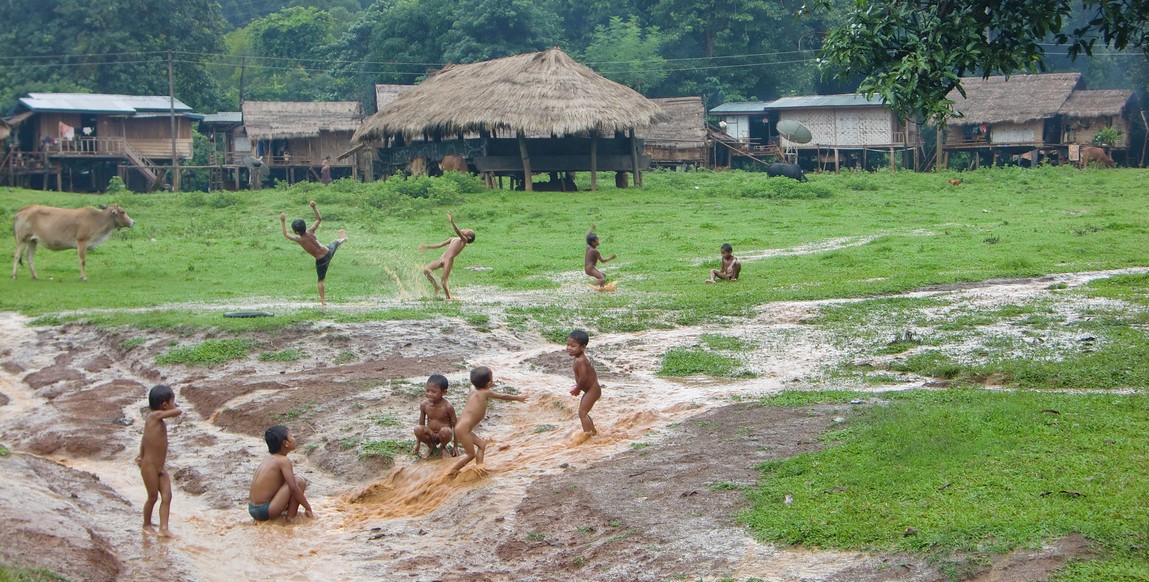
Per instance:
(636,502)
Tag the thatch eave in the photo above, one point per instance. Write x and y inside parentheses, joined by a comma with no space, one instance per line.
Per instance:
(545,93)
(1017,99)
(265,120)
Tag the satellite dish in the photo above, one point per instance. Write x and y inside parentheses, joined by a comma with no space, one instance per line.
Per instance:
(794,131)
(256,170)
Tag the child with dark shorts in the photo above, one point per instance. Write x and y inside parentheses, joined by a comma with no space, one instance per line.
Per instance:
(275,488)
(306,238)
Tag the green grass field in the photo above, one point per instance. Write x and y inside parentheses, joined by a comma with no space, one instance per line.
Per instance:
(1007,460)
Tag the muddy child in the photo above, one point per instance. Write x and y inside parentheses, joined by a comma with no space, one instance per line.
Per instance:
(482,381)
(437,419)
(593,257)
(154,453)
(729,268)
(306,238)
(275,488)
(586,379)
(455,245)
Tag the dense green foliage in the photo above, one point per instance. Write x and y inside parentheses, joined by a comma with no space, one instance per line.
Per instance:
(299,50)
(971,472)
(111,46)
(913,53)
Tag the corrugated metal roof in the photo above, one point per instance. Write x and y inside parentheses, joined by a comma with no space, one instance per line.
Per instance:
(100,103)
(813,101)
(224,117)
(736,107)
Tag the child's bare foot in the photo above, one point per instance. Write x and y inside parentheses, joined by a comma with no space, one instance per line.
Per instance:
(342,236)
(710,280)
(164,533)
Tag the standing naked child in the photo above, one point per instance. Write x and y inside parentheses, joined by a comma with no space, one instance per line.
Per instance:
(455,245)
(593,257)
(586,379)
(730,267)
(154,453)
(275,488)
(473,413)
(437,419)
(306,239)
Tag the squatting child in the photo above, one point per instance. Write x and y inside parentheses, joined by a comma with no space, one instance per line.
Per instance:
(275,488)
(437,419)
(586,379)
(455,245)
(482,380)
(730,267)
(154,453)
(593,256)
(306,239)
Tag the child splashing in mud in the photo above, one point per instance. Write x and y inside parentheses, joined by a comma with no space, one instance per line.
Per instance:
(586,379)
(482,380)
(455,245)
(437,420)
(305,237)
(592,257)
(154,453)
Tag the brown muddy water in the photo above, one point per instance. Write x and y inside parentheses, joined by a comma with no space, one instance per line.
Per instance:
(73,399)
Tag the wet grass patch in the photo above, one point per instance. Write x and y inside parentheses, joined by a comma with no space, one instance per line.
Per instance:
(384,448)
(969,472)
(288,355)
(689,362)
(208,352)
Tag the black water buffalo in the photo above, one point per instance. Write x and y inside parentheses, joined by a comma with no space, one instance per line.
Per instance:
(786,171)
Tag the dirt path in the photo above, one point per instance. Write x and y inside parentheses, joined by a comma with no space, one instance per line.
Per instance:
(652,497)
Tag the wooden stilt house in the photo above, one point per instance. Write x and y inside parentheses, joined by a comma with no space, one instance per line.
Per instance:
(79,141)
(532,113)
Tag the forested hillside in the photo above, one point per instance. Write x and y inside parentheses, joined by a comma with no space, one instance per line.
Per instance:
(223,51)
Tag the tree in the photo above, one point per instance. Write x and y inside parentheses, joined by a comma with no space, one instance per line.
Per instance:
(111,46)
(914,52)
(624,52)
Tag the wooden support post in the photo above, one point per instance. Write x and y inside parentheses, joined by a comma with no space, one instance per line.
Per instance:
(837,161)
(528,184)
(594,162)
(634,160)
(893,162)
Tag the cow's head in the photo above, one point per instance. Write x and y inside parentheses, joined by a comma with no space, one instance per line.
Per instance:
(119,217)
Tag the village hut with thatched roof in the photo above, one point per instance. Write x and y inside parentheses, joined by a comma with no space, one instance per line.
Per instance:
(535,112)
(1029,117)
(1086,113)
(302,134)
(1009,115)
(682,139)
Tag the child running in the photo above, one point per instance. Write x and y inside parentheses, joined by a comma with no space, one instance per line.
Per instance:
(437,419)
(593,256)
(455,245)
(275,488)
(730,267)
(154,453)
(306,239)
(473,413)
(586,379)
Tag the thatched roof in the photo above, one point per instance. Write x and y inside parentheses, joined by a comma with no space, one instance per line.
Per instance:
(686,127)
(287,120)
(385,94)
(1100,103)
(536,93)
(1014,99)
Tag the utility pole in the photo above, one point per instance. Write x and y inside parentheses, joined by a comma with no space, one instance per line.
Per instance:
(172,114)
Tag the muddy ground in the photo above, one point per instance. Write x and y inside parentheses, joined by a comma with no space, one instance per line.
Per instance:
(653,497)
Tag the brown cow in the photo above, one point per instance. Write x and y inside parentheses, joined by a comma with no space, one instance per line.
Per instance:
(64,228)
(454,164)
(1093,154)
